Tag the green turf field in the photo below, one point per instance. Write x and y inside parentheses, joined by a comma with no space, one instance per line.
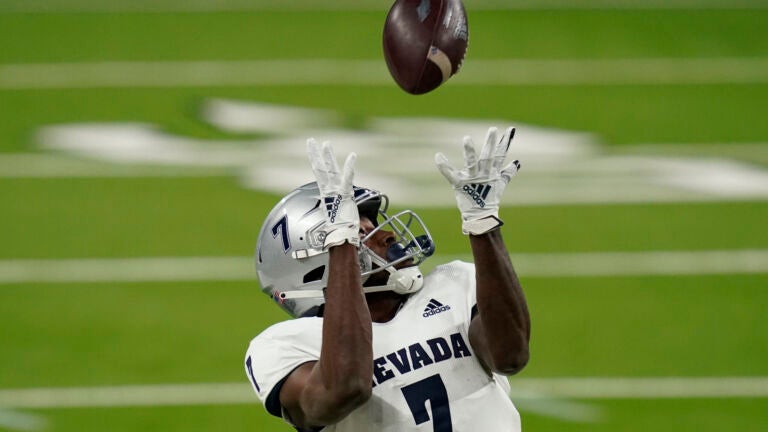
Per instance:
(79,333)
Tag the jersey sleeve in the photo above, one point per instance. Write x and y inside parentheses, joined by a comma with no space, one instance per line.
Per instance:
(275,353)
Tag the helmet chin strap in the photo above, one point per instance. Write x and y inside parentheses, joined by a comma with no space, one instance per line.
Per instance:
(403,281)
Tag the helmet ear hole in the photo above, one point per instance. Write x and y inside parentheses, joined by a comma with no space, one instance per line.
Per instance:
(314,275)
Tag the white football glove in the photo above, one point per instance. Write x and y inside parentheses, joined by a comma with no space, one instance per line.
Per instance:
(480,184)
(343,220)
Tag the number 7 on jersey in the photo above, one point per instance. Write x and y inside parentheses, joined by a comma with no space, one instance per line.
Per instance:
(430,389)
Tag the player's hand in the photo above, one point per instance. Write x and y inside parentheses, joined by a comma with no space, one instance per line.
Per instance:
(480,184)
(338,201)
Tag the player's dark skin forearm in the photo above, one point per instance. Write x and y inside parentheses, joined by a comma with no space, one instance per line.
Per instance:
(346,357)
(324,392)
(501,331)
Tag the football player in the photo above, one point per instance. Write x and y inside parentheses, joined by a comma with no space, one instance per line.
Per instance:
(375,345)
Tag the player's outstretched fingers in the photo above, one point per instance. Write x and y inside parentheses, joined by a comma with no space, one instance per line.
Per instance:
(502,147)
(446,169)
(470,156)
(510,170)
(348,173)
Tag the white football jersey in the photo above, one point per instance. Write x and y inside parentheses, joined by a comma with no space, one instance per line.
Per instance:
(426,376)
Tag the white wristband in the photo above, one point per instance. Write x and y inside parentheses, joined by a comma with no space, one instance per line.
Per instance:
(481,226)
(341,235)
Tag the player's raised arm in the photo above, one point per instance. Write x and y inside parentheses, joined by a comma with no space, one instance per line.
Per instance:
(500,331)
(324,392)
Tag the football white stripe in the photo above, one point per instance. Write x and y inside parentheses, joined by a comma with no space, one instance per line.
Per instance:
(657,71)
(441,60)
(585,264)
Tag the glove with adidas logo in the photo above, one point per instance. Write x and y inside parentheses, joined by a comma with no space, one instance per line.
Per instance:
(338,201)
(480,184)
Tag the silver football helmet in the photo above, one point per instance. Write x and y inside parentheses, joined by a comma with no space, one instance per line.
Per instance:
(293,268)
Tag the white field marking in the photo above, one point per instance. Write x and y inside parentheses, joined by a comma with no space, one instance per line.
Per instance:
(647,388)
(14,420)
(572,411)
(275,72)
(201,6)
(589,182)
(560,167)
(128,269)
(642,263)
(132,395)
(522,388)
(586,264)
(45,165)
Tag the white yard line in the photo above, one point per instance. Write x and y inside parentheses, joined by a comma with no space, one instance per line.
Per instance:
(587,264)
(48,165)
(523,388)
(646,388)
(642,263)
(13,420)
(136,395)
(127,269)
(651,71)
(201,6)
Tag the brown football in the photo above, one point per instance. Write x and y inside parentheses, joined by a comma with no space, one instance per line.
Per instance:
(425,42)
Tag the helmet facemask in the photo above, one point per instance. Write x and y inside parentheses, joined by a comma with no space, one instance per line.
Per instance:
(411,246)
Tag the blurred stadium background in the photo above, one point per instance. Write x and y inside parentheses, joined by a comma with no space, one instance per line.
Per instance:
(143,142)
